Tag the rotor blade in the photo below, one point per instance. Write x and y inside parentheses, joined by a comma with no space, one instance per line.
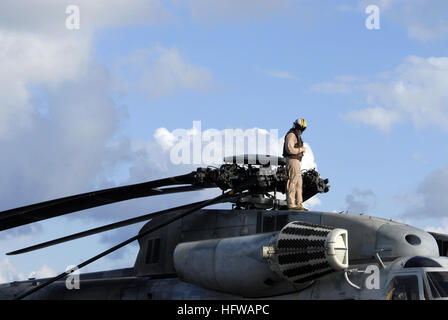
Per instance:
(104,228)
(53,208)
(124,243)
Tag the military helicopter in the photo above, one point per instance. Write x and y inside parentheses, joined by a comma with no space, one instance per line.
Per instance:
(256,250)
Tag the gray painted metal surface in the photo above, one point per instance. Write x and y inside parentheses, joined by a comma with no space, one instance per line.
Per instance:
(245,232)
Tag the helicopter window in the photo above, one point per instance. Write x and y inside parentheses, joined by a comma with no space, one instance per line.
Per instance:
(443,247)
(438,283)
(419,262)
(413,239)
(442,243)
(152,251)
(403,288)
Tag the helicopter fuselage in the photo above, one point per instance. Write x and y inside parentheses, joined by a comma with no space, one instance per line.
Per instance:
(375,246)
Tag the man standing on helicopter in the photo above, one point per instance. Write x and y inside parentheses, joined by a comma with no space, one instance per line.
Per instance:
(293,150)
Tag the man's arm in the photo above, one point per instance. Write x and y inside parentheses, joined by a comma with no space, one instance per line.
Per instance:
(291,141)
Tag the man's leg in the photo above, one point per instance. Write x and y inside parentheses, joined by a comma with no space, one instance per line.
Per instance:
(298,194)
(291,185)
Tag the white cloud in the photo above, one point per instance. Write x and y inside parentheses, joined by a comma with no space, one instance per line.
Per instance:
(37,49)
(43,272)
(62,153)
(416,90)
(171,72)
(30,59)
(57,117)
(376,116)
(264,144)
(429,198)
(8,272)
(160,71)
(308,161)
(165,138)
(360,201)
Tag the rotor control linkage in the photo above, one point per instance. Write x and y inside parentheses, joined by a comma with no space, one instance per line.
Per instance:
(259,179)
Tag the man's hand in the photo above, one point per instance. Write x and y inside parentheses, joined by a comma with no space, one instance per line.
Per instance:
(302,149)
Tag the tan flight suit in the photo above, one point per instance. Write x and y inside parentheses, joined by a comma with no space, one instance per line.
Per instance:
(294,184)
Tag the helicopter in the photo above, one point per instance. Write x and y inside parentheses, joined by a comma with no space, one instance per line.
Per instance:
(258,249)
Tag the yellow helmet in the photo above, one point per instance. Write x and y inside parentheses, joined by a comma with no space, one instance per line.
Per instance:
(300,123)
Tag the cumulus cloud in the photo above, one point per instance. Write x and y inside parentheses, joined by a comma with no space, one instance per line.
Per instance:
(43,272)
(8,272)
(211,146)
(57,118)
(429,199)
(161,71)
(34,60)
(37,48)
(416,91)
(59,154)
(308,161)
(378,117)
(58,121)
(360,201)
(165,138)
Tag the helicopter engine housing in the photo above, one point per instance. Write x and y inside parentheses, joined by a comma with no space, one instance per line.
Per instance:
(263,264)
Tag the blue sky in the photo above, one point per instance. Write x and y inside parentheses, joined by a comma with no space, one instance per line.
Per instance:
(79,109)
